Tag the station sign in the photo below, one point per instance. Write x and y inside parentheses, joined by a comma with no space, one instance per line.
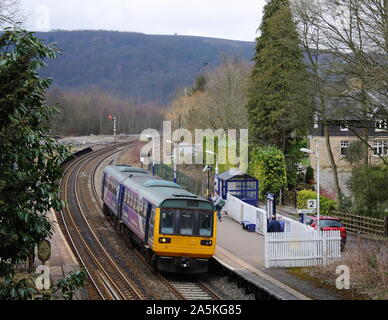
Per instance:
(44,251)
(306,211)
(312,204)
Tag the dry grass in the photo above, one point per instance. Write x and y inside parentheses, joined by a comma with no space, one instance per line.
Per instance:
(132,155)
(368,264)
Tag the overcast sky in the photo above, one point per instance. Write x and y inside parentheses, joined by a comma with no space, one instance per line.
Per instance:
(228,19)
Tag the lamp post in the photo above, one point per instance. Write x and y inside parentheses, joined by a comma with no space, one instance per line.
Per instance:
(318,176)
(153,153)
(217,169)
(208,169)
(175,144)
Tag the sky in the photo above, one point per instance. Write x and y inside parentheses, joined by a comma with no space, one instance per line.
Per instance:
(227,19)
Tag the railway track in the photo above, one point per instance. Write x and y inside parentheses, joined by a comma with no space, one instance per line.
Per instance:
(188,290)
(192,290)
(106,280)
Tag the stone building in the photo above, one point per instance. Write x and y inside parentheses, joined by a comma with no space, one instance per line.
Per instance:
(343,131)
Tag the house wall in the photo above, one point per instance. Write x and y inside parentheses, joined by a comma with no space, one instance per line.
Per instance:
(344,168)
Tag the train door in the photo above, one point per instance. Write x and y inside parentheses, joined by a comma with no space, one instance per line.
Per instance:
(148,223)
(121,200)
(103,185)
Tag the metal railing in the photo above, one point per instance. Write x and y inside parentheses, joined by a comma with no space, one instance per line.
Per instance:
(194,186)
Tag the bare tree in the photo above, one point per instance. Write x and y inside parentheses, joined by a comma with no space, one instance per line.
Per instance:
(354,33)
(221,104)
(320,65)
(9,12)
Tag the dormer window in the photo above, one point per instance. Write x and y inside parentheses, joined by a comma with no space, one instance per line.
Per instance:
(381,125)
(344,127)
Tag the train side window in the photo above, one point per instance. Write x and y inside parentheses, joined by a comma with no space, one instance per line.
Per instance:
(142,207)
(167,222)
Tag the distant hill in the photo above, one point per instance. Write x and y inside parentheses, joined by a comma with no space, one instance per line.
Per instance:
(143,67)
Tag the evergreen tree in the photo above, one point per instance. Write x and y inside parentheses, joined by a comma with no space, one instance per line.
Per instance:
(30,158)
(278,105)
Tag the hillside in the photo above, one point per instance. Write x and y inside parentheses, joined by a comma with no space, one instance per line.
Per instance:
(139,66)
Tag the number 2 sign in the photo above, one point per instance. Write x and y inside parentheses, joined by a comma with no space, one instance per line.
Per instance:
(312,204)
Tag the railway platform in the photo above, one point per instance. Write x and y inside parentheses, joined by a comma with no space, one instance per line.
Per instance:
(242,253)
(62,260)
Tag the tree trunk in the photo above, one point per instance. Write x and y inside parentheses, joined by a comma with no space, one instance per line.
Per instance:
(333,165)
(386,24)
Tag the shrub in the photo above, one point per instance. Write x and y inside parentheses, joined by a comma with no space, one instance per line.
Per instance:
(369,187)
(326,204)
(309,174)
(269,167)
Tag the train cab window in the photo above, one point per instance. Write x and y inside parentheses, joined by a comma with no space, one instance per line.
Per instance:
(167,222)
(186,226)
(205,224)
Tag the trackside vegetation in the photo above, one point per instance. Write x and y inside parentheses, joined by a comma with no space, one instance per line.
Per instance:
(30,159)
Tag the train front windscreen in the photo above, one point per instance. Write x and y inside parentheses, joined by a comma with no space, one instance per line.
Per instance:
(180,222)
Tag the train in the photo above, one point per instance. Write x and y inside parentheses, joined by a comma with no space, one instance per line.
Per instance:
(174,229)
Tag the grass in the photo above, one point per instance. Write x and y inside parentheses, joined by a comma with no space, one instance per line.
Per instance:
(368,264)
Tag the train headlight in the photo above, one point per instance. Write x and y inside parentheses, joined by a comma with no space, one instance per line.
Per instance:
(164,240)
(208,243)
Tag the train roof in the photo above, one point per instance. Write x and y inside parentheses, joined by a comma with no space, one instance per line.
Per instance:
(154,189)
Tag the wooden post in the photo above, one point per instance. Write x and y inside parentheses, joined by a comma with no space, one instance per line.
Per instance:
(386,226)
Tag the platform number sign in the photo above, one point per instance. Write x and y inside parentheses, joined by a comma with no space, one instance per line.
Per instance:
(312,204)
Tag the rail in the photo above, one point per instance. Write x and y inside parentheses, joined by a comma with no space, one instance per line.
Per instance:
(105,275)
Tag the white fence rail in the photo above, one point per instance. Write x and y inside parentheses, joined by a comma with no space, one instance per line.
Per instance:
(293,226)
(241,211)
(302,249)
(298,246)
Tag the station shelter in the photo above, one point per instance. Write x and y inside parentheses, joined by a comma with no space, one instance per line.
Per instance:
(239,185)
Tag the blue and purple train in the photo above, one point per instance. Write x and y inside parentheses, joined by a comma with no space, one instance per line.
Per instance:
(175,229)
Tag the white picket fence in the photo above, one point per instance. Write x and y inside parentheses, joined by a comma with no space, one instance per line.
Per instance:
(241,211)
(298,246)
(302,249)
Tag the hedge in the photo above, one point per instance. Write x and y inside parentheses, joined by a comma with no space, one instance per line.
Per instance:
(326,204)
(269,167)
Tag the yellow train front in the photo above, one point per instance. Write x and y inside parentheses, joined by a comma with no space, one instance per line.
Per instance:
(185,237)
(174,228)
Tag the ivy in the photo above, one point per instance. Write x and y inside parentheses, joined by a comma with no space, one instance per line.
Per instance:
(269,167)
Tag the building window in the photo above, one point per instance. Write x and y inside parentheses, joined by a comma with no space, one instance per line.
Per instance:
(344,127)
(344,147)
(381,125)
(316,121)
(381,148)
